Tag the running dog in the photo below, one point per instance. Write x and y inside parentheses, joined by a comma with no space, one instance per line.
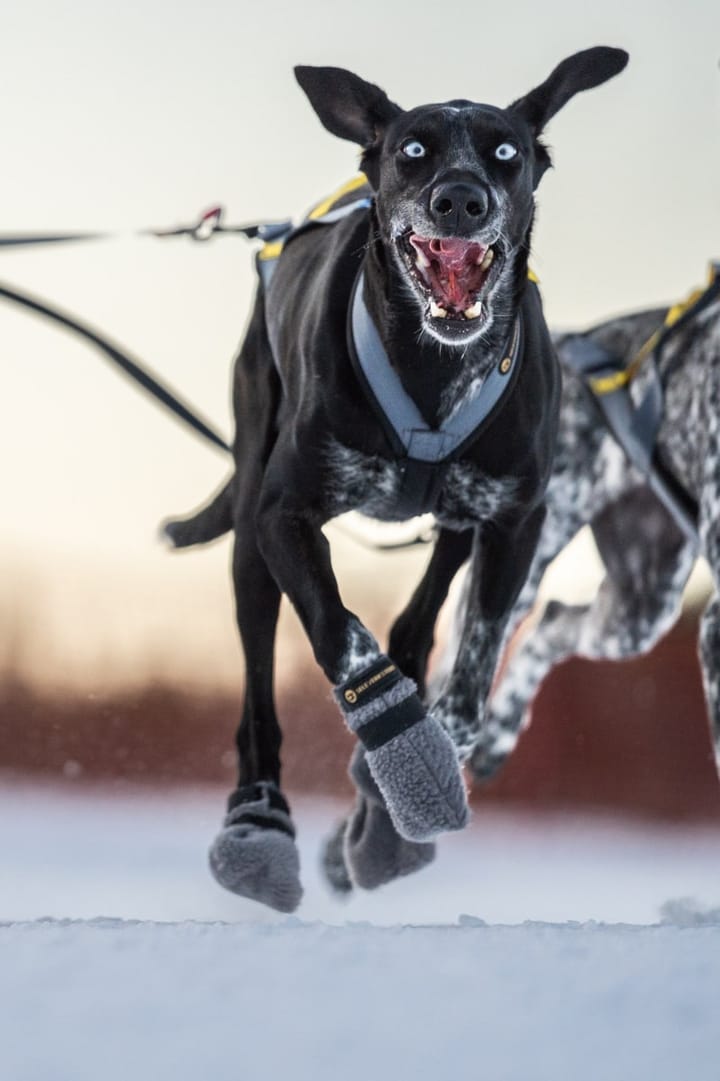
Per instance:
(397,362)
(646,551)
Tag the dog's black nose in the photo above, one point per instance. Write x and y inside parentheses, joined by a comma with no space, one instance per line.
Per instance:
(459,206)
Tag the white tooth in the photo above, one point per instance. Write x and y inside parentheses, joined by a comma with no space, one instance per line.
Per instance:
(421,258)
(436,311)
(474,311)
(488,259)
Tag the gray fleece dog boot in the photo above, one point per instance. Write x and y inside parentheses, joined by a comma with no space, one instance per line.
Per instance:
(255,854)
(332,861)
(410,755)
(366,850)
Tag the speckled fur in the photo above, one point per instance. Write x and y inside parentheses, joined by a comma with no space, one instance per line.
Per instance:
(371,484)
(646,556)
(362,482)
(361,650)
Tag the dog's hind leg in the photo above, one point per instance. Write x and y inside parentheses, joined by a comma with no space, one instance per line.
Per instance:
(365,849)
(648,561)
(503,554)
(413,633)
(709,644)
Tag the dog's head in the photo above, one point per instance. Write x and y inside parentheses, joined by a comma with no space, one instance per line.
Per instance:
(454,183)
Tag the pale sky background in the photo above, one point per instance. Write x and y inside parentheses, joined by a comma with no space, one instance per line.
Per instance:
(117,117)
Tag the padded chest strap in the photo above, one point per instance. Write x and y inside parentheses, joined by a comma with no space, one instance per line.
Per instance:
(414,435)
(425,453)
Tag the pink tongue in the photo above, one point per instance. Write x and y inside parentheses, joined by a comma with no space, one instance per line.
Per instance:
(452,249)
(453,273)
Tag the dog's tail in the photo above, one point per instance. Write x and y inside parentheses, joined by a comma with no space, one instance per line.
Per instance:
(207,524)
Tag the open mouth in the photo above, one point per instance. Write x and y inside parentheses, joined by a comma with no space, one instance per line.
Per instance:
(452,273)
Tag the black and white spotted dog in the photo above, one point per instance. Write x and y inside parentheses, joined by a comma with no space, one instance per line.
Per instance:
(647,558)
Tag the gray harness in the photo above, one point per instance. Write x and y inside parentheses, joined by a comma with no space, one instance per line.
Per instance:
(634,427)
(424,453)
(417,439)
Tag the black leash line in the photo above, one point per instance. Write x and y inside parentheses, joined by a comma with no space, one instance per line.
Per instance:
(13,240)
(207,225)
(123,361)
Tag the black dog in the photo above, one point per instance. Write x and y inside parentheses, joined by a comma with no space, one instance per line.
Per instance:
(398,363)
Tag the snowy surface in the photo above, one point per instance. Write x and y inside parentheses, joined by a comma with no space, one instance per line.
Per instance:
(533,949)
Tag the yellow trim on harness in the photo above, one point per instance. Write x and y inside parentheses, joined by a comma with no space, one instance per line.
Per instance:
(606,384)
(271,250)
(327,204)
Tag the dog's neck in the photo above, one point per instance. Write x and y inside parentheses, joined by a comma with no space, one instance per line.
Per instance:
(438,377)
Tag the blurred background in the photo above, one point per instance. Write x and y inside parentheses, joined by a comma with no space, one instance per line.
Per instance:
(119,663)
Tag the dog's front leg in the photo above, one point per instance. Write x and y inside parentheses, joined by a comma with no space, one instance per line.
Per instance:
(502,556)
(365,849)
(411,757)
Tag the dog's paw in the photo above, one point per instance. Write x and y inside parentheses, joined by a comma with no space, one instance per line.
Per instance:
(375,853)
(255,854)
(332,862)
(260,863)
(411,757)
(419,775)
(365,849)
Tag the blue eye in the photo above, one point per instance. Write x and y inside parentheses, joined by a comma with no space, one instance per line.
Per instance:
(505,152)
(413,149)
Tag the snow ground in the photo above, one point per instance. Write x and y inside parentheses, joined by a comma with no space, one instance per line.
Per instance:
(535,948)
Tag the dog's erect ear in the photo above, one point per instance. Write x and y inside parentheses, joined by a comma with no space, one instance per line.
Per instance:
(346,104)
(582,71)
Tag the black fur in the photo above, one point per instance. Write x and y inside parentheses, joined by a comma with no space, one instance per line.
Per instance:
(308,446)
